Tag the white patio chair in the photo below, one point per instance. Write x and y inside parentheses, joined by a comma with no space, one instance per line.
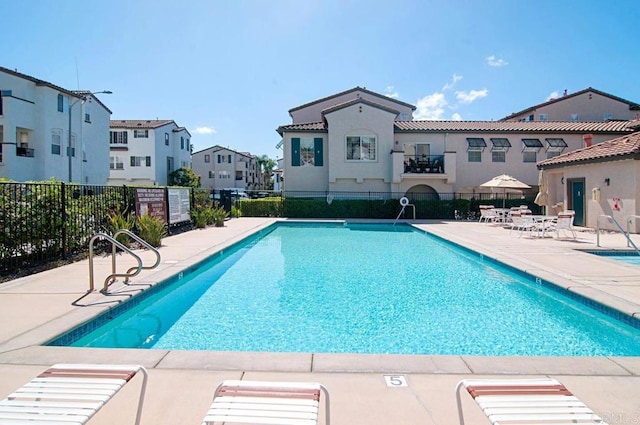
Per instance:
(565,222)
(488,213)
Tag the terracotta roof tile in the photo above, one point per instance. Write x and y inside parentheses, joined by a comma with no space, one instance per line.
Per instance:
(628,145)
(133,124)
(351,91)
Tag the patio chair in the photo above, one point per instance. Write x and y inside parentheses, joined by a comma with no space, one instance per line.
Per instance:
(565,222)
(488,214)
(526,401)
(69,394)
(527,223)
(257,402)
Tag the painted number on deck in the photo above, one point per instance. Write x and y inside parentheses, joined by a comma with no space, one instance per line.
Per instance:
(395,380)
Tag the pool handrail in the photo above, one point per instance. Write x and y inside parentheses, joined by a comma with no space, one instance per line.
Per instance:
(113,275)
(625,233)
(629,221)
(141,242)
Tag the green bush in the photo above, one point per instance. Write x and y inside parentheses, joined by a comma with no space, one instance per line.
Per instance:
(151,230)
(120,220)
(219,216)
(265,207)
(201,216)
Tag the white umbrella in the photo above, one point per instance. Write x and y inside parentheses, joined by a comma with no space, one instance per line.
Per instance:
(505,182)
(543,192)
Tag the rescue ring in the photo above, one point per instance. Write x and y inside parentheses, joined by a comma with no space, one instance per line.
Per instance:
(404,201)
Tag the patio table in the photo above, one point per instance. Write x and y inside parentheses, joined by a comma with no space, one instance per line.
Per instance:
(543,222)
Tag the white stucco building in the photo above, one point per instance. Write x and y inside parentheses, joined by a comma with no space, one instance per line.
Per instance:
(223,168)
(361,141)
(144,152)
(49,132)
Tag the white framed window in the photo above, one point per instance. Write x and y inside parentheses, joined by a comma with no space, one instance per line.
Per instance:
(60,103)
(607,117)
(207,158)
(140,134)
(475,147)
(530,149)
(140,161)
(56,142)
(531,156)
(116,163)
(498,156)
(87,113)
(544,117)
(474,156)
(166,139)
(224,174)
(574,117)
(71,149)
(118,137)
(361,148)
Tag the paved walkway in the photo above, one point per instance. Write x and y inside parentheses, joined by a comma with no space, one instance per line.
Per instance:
(33,309)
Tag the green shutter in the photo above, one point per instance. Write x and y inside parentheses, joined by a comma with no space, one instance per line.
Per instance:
(295,151)
(317,149)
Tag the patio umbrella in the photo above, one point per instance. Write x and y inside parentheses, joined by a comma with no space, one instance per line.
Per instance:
(543,191)
(505,182)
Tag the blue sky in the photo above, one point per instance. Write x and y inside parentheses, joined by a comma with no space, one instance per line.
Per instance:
(229,71)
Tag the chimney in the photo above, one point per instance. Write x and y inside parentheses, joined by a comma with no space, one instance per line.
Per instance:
(587,139)
(565,92)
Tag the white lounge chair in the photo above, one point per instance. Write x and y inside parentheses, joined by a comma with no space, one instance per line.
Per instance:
(256,402)
(526,401)
(68,394)
(488,214)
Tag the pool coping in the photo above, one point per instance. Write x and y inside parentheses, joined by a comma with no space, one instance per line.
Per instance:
(25,349)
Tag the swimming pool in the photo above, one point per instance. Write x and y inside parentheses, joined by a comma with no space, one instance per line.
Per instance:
(360,289)
(629,257)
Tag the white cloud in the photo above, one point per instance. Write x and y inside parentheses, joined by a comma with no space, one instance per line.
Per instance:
(494,61)
(430,107)
(204,130)
(454,79)
(391,92)
(456,117)
(553,95)
(471,95)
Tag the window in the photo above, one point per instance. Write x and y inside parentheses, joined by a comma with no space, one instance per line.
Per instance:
(305,151)
(207,158)
(574,117)
(475,147)
(361,148)
(186,144)
(211,174)
(60,103)
(530,149)
(544,117)
(116,163)
(181,142)
(555,146)
(229,157)
(139,161)
(224,174)
(607,117)
(56,141)
(498,156)
(140,134)
(166,139)
(71,150)
(118,137)
(87,113)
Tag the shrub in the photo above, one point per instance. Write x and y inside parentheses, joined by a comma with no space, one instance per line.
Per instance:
(219,216)
(201,216)
(119,220)
(151,230)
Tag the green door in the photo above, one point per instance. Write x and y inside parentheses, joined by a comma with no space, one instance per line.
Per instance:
(577,204)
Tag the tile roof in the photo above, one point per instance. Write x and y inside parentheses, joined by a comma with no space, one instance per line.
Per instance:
(618,148)
(408,105)
(133,124)
(612,127)
(37,81)
(632,105)
(355,102)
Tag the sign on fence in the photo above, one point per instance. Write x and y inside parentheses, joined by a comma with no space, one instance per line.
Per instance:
(178,205)
(151,201)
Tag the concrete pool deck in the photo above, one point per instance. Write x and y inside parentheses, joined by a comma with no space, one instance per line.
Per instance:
(36,308)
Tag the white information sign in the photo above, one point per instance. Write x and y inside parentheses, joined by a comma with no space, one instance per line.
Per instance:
(178,205)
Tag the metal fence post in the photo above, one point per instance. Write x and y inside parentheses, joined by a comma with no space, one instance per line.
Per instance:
(63,204)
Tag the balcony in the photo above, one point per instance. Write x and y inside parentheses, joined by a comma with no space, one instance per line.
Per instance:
(25,152)
(420,164)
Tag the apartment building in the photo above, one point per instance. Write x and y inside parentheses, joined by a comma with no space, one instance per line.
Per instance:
(224,168)
(144,152)
(360,141)
(47,131)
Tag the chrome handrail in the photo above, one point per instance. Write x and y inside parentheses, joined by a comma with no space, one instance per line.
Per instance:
(629,220)
(113,274)
(140,241)
(626,234)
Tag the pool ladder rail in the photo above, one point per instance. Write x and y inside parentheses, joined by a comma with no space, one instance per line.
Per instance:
(132,271)
(627,233)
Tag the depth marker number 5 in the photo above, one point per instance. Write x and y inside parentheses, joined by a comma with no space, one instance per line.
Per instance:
(395,380)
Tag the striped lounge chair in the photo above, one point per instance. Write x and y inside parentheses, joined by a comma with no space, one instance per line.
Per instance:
(68,394)
(257,402)
(526,401)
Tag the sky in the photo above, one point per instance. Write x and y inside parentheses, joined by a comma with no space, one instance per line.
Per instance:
(229,71)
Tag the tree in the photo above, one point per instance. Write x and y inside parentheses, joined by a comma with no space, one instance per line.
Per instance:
(184,177)
(266,168)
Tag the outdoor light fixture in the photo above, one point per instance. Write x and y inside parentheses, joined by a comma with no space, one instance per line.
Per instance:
(71,105)
(607,181)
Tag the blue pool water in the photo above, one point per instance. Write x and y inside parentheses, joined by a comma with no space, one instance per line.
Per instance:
(362,289)
(629,257)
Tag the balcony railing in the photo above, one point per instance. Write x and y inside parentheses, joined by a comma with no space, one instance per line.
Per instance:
(26,152)
(424,164)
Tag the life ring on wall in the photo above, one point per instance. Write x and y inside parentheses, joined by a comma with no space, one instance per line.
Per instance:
(404,201)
